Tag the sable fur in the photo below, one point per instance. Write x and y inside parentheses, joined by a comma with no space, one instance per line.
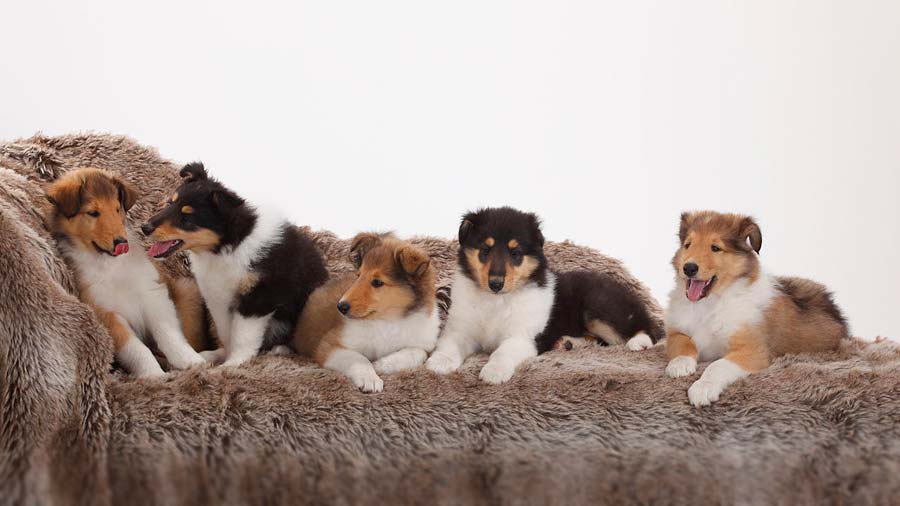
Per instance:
(592,426)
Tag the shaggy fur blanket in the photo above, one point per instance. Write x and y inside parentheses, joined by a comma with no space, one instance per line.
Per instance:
(595,425)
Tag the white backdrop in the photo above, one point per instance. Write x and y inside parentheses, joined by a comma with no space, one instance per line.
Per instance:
(606,118)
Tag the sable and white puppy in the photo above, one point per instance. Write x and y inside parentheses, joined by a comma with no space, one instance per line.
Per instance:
(383,319)
(725,308)
(129,295)
(254,268)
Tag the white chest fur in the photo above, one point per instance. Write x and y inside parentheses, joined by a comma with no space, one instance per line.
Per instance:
(220,275)
(377,338)
(128,284)
(711,321)
(489,318)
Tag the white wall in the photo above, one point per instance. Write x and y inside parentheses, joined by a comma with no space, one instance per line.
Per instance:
(606,118)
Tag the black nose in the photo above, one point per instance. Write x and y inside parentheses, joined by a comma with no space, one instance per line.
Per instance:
(690,269)
(119,240)
(495,285)
(343,307)
(147,228)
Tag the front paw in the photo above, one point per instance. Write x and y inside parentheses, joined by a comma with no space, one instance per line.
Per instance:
(214,357)
(186,360)
(681,366)
(366,380)
(496,373)
(441,363)
(639,342)
(704,392)
(398,362)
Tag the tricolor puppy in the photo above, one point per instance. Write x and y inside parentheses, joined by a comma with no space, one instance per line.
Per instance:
(383,319)
(130,296)
(726,309)
(254,268)
(506,301)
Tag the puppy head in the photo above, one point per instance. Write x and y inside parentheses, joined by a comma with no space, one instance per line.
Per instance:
(196,217)
(393,278)
(502,249)
(89,209)
(716,250)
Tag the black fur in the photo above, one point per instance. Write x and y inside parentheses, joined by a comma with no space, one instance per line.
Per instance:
(503,224)
(289,270)
(582,296)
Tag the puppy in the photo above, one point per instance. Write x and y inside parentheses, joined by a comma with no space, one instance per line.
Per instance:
(383,319)
(726,309)
(506,300)
(129,295)
(255,270)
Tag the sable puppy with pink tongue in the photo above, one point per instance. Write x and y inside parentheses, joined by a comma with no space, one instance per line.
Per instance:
(726,309)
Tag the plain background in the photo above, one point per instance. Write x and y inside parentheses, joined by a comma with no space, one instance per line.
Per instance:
(606,118)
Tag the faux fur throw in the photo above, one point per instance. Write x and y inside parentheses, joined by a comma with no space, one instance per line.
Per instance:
(594,425)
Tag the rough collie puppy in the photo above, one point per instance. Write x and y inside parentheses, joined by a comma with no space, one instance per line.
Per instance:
(725,308)
(255,269)
(128,294)
(506,301)
(383,319)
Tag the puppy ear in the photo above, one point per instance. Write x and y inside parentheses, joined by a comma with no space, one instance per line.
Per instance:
(362,244)
(536,229)
(193,171)
(686,220)
(413,260)
(66,196)
(466,227)
(750,232)
(127,193)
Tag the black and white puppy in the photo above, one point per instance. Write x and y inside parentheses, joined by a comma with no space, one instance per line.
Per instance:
(255,269)
(505,300)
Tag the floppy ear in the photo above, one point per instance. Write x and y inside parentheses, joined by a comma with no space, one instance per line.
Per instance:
(127,193)
(750,231)
(193,171)
(361,245)
(466,227)
(686,219)
(536,229)
(66,197)
(413,260)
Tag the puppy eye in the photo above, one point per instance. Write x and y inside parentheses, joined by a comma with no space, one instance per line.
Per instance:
(516,254)
(715,249)
(687,245)
(94,214)
(377,283)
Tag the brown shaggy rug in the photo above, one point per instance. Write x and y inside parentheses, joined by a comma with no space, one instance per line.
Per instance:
(597,425)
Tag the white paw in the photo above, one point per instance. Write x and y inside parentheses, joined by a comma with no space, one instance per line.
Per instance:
(151,373)
(400,361)
(366,380)
(442,364)
(681,366)
(496,372)
(186,360)
(704,392)
(280,350)
(639,342)
(213,356)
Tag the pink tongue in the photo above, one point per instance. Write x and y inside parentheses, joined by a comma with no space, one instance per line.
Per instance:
(121,248)
(695,289)
(158,248)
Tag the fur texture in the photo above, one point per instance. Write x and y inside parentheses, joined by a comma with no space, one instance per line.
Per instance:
(592,426)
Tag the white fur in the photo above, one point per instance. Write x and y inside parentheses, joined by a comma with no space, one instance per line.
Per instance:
(504,325)
(219,276)
(130,286)
(392,344)
(714,379)
(681,366)
(640,341)
(711,321)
